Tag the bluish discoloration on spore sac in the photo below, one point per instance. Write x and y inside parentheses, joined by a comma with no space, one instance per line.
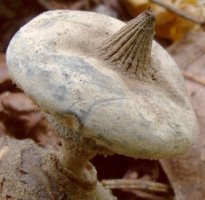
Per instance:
(60,92)
(66,81)
(70,65)
(45,75)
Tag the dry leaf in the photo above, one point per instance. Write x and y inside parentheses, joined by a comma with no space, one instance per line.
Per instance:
(20,119)
(187,173)
(168,24)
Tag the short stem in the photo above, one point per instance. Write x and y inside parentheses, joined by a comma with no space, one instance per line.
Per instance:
(76,151)
(75,161)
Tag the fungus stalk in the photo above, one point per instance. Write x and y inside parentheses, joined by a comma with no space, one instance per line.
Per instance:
(77,150)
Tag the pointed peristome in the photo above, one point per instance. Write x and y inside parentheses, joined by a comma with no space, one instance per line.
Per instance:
(130,47)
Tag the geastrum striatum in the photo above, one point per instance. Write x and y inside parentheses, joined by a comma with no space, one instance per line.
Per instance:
(105,86)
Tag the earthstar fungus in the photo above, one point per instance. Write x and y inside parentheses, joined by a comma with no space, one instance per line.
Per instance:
(105,86)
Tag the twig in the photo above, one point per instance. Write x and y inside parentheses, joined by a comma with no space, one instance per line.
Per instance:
(194,78)
(179,12)
(135,185)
